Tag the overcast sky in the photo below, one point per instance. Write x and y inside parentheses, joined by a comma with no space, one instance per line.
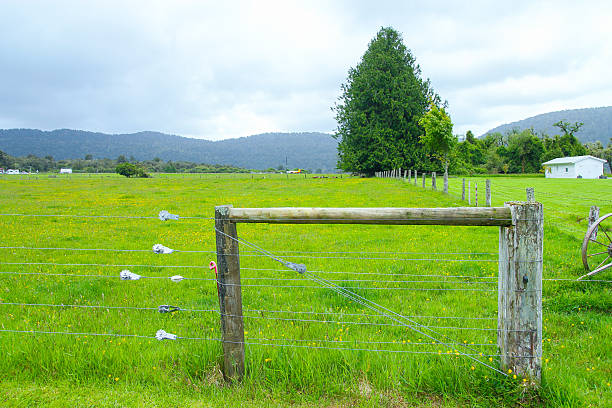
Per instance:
(214,70)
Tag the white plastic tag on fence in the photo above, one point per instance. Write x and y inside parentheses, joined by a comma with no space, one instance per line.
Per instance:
(301,268)
(160,249)
(127,275)
(162,335)
(176,278)
(165,216)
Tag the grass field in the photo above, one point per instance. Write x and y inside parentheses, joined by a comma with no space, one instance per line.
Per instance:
(400,267)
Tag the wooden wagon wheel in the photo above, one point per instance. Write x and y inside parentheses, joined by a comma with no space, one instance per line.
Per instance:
(597,247)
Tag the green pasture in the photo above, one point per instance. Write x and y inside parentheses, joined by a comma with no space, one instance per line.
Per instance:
(352,359)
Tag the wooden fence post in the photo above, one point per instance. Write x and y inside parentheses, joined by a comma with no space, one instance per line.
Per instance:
(519,318)
(446,181)
(469,193)
(593,216)
(433,180)
(230,295)
(488,193)
(476,194)
(463,191)
(415,177)
(424,177)
(530,194)
(409,175)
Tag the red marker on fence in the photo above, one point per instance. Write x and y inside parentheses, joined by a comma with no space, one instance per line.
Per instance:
(213,265)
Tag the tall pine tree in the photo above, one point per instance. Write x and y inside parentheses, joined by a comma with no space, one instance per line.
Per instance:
(378,112)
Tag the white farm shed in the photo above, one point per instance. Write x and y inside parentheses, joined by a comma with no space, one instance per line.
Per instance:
(65,171)
(574,167)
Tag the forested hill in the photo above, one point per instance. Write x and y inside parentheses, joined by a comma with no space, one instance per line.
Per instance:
(597,123)
(303,150)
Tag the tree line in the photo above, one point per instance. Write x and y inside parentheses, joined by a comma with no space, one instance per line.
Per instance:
(90,165)
(389,117)
(521,151)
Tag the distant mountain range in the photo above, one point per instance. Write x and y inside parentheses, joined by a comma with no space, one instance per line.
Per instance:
(313,151)
(597,123)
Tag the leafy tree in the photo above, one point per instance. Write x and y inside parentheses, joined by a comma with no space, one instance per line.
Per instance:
(438,137)
(131,170)
(524,152)
(88,157)
(5,160)
(121,159)
(568,128)
(469,137)
(381,103)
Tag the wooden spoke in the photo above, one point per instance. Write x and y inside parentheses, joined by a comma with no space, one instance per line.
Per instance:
(598,253)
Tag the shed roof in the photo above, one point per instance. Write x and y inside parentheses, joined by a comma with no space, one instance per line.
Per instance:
(572,159)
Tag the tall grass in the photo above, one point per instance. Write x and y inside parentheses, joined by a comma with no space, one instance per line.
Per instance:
(577,316)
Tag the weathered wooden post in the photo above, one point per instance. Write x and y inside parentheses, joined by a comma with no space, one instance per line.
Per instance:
(476,193)
(469,193)
(230,295)
(530,194)
(424,177)
(416,176)
(433,180)
(463,191)
(593,216)
(519,321)
(409,175)
(488,193)
(445,181)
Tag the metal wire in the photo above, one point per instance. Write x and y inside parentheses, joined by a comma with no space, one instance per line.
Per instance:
(245,310)
(357,287)
(100,249)
(105,265)
(262,285)
(243,252)
(98,216)
(250,343)
(260,255)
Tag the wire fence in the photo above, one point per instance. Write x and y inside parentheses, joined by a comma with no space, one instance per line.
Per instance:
(440,339)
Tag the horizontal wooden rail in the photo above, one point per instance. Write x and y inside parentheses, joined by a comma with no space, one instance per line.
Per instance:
(484,216)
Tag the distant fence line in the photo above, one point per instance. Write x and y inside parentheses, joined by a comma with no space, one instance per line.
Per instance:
(412,176)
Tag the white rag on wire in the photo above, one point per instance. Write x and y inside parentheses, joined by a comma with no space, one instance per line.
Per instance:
(165,216)
(127,275)
(160,249)
(162,335)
